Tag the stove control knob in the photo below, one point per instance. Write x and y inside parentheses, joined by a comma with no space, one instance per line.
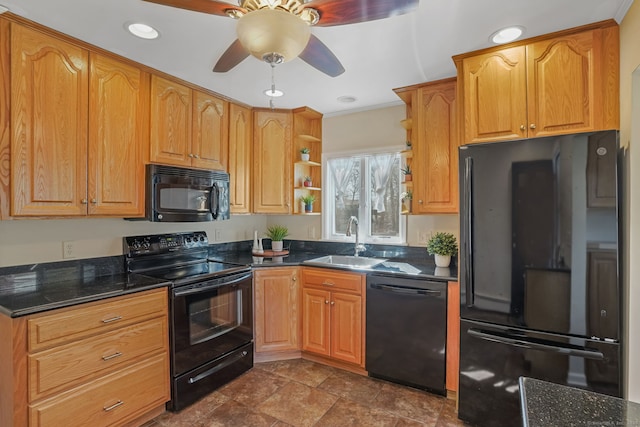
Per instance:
(202,238)
(146,245)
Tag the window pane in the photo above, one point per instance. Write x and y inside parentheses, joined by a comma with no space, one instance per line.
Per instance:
(385,195)
(345,174)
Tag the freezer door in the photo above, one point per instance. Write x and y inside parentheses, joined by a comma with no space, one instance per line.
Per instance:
(539,234)
(492,358)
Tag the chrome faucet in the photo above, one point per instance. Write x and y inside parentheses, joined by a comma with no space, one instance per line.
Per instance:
(359,246)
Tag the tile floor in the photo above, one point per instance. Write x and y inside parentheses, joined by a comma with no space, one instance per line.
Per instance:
(302,393)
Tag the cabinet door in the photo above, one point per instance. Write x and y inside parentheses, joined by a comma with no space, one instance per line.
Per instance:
(494,96)
(240,127)
(436,150)
(49,100)
(561,82)
(315,321)
(170,122)
(276,309)
(210,132)
(346,327)
(118,137)
(272,163)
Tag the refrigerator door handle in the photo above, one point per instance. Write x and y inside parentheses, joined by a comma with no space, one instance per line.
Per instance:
(468,231)
(520,342)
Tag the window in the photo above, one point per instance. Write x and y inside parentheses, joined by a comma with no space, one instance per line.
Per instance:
(369,188)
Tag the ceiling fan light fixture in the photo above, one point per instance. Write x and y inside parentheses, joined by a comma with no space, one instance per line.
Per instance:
(273,92)
(507,35)
(267,32)
(143,31)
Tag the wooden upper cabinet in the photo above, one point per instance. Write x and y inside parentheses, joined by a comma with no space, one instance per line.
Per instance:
(170,122)
(435,149)
(188,127)
(49,99)
(272,162)
(210,132)
(559,83)
(118,137)
(494,88)
(240,126)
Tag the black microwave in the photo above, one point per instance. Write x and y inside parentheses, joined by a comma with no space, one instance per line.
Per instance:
(176,194)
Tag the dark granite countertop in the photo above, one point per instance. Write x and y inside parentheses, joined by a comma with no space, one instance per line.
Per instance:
(400,260)
(547,404)
(32,289)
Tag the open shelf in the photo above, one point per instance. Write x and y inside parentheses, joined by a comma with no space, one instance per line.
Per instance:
(309,163)
(311,138)
(308,188)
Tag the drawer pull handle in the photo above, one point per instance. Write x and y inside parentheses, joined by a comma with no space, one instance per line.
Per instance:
(327,283)
(112,319)
(112,356)
(114,406)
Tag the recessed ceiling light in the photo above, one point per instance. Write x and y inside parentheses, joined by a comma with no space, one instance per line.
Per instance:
(143,31)
(274,93)
(506,35)
(347,99)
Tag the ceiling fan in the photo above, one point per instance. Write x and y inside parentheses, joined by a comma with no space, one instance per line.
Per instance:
(277,31)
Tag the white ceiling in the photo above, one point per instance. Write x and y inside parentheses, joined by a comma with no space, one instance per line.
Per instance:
(378,56)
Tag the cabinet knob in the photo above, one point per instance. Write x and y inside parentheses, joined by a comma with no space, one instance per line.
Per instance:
(326,301)
(532,126)
(294,278)
(190,155)
(333,303)
(83,201)
(522,127)
(94,201)
(420,201)
(196,156)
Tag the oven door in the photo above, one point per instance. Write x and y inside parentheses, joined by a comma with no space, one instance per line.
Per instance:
(210,319)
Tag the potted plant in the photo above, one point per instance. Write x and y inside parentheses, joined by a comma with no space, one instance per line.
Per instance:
(443,246)
(407,173)
(304,154)
(308,202)
(277,233)
(405,198)
(307,181)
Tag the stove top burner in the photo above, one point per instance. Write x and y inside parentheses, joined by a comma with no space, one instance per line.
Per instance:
(197,272)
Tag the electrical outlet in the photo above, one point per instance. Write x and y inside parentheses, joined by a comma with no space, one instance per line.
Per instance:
(423,236)
(218,235)
(68,249)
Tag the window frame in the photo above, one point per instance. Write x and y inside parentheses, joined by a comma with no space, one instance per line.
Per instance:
(364,227)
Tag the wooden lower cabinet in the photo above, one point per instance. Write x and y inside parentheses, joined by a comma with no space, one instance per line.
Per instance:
(276,312)
(100,364)
(333,313)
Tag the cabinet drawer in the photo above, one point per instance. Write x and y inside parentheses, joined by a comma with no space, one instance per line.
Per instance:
(78,322)
(69,365)
(113,400)
(332,279)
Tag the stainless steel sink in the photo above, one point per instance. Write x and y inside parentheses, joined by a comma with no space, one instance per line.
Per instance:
(346,261)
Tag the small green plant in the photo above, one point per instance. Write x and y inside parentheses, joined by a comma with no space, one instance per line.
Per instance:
(308,200)
(305,150)
(406,195)
(307,178)
(277,233)
(406,170)
(442,243)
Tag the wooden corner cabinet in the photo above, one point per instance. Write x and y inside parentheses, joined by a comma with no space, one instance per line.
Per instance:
(78,135)
(559,83)
(272,130)
(188,127)
(433,133)
(240,140)
(333,313)
(101,363)
(307,130)
(277,313)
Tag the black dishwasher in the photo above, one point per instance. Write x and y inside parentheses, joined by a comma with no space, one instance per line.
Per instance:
(407,331)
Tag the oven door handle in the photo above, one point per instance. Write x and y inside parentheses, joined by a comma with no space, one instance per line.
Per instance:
(216,368)
(188,290)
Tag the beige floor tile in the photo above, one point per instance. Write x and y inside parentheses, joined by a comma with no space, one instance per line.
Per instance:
(298,404)
(347,413)
(254,387)
(352,386)
(410,403)
(234,414)
(300,370)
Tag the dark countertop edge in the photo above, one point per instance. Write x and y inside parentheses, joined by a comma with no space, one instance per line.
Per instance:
(82,300)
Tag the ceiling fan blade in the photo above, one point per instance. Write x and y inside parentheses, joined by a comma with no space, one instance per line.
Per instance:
(318,55)
(213,7)
(231,57)
(341,12)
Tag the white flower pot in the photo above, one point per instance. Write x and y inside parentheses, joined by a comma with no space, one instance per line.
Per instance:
(276,246)
(304,157)
(442,260)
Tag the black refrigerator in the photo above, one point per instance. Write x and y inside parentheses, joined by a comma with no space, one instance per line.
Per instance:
(539,270)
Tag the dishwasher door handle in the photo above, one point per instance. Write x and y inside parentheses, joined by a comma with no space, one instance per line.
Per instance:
(407,291)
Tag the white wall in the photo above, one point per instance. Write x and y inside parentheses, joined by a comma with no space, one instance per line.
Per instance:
(630,139)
